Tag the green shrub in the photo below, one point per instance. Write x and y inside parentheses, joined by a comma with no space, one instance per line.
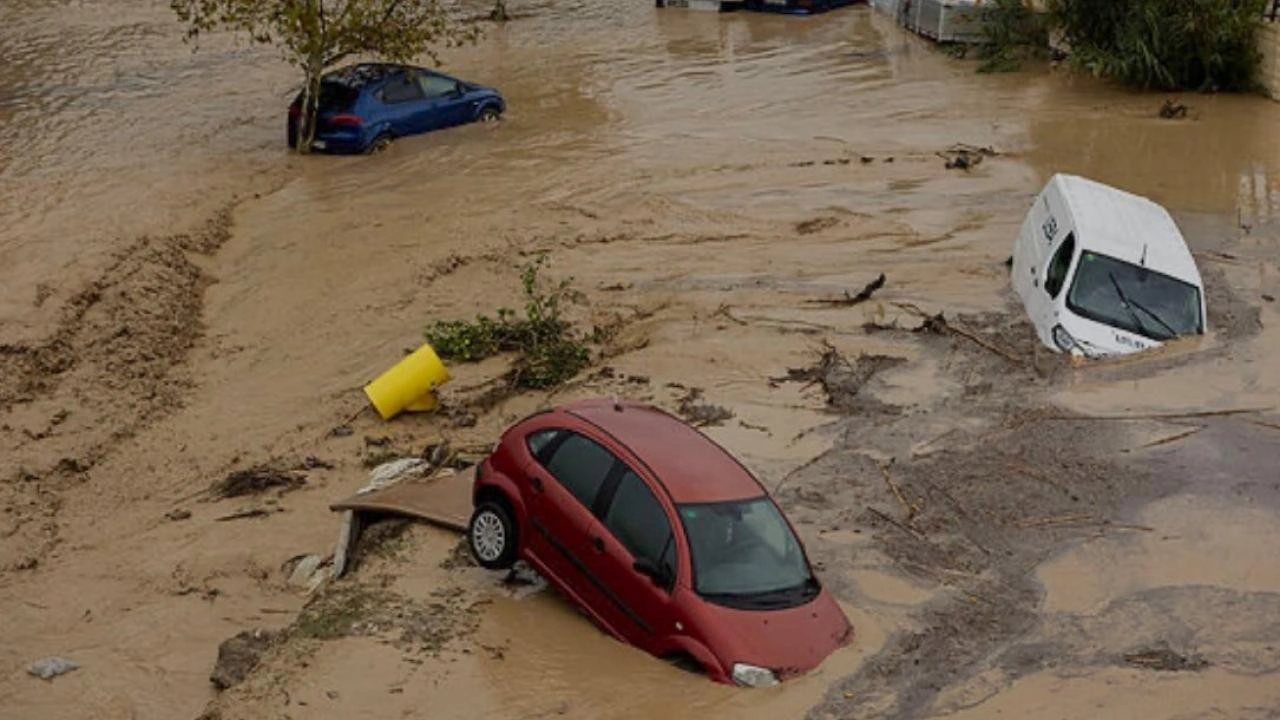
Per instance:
(550,353)
(1011,32)
(1203,45)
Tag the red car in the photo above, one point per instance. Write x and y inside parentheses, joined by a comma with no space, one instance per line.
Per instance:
(661,536)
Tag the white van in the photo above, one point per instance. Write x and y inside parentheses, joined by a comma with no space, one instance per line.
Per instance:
(1104,272)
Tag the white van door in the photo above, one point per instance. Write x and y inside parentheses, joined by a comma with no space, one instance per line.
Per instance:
(1054,285)
(1049,228)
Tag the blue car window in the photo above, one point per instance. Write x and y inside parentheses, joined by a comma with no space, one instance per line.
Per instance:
(401,88)
(435,86)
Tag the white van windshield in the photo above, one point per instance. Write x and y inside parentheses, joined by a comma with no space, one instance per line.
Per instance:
(1134,298)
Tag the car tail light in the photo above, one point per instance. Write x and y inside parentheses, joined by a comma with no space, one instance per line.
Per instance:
(346,119)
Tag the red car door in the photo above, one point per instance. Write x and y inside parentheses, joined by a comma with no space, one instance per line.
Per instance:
(637,559)
(565,482)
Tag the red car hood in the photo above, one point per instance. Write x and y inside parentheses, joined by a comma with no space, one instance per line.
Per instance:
(790,641)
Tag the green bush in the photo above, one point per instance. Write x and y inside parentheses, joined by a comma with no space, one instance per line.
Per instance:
(549,351)
(1011,32)
(1205,45)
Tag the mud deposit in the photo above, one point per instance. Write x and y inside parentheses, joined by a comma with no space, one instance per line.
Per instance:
(187,316)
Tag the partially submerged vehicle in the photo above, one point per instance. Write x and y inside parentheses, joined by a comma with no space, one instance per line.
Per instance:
(660,536)
(1104,272)
(363,107)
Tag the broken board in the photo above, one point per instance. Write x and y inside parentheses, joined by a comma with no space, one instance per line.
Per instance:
(444,500)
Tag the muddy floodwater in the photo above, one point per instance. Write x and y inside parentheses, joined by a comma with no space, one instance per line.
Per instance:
(1012,535)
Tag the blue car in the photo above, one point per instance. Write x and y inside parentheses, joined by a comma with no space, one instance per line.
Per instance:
(364,107)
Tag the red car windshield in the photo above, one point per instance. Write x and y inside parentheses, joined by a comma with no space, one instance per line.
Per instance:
(745,555)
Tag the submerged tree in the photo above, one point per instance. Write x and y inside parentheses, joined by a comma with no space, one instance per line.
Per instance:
(317,34)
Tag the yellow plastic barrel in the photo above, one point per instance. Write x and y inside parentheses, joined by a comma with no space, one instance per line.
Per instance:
(409,385)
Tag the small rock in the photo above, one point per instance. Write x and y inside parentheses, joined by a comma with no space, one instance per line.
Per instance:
(1162,657)
(178,514)
(342,431)
(1269,298)
(304,570)
(239,655)
(331,694)
(311,462)
(50,668)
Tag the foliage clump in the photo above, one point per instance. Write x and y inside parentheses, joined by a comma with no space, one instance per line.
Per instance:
(550,351)
(1205,45)
(1012,31)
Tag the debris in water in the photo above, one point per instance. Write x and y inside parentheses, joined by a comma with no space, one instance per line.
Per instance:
(1162,657)
(965,157)
(392,472)
(238,656)
(50,668)
(304,572)
(701,414)
(522,581)
(1172,110)
(938,325)
(814,225)
(311,462)
(849,300)
(247,513)
(840,379)
(257,479)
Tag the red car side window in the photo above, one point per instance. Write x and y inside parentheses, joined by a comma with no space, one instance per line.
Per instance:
(540,442)
(637,519)
(580,465)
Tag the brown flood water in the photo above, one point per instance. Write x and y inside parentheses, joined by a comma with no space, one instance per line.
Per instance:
(669,154)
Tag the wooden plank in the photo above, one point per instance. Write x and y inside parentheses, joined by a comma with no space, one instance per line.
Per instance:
(444,500)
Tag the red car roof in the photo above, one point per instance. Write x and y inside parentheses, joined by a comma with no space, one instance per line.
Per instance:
(692,467)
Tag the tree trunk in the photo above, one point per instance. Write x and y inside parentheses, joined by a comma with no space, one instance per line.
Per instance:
(310,106)
(499,12)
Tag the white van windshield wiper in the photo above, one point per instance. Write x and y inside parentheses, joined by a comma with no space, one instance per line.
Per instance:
(1157,318)
(1131,304)
(1124,301)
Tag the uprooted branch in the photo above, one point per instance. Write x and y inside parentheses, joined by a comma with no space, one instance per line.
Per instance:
(848,300)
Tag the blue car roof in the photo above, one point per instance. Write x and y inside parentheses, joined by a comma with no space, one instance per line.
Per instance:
(359,76)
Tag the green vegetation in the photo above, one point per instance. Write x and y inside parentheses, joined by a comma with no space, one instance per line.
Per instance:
(1203,45)
(1013,32)
(550,352)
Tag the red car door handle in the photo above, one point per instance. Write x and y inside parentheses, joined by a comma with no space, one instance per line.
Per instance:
(598,544)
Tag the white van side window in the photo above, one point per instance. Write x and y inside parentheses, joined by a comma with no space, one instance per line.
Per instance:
(1056,276)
